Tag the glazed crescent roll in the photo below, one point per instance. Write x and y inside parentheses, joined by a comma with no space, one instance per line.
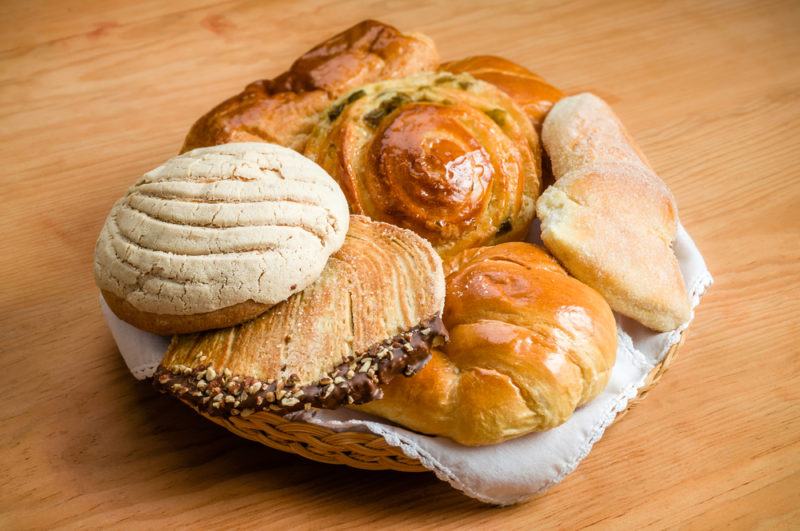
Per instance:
(448,156)
(528,90)
(609,218)
(283,110)
(528,344)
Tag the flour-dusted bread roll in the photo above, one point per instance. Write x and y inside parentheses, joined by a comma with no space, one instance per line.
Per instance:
(609,218)
(528,344)
(216,236)
(373,314)
(446,155)
(283,110)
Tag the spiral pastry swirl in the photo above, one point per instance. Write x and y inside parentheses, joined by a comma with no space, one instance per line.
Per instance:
(448,156)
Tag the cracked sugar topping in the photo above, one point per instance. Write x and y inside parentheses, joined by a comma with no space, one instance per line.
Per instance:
(196,234)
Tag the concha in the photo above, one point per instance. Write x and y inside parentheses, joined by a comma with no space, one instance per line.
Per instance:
(235,228)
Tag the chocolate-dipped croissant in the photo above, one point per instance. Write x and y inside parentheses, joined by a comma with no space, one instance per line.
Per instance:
(448,156)
(373,314)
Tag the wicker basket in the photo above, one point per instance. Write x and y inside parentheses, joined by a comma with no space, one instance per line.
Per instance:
(362,450)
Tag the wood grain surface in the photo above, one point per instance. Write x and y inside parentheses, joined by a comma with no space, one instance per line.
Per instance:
(93,94)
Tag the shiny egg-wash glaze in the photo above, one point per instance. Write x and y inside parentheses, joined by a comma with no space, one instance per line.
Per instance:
(539,340)
(447,156)
(283,110)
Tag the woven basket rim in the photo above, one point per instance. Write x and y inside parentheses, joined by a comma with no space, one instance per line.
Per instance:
(366,451)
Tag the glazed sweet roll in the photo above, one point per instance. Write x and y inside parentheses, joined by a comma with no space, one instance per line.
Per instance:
(528,345)
(448,156)
(283,110)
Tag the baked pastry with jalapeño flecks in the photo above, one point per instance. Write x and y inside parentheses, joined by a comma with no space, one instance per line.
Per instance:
(448,156)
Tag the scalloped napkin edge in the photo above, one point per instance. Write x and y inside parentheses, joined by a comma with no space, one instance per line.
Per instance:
(513,471)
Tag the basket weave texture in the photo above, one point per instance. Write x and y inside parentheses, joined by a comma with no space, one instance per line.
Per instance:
(366,451)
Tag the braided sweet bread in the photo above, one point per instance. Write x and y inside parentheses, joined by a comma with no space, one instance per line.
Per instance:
(448,156)
(283,110)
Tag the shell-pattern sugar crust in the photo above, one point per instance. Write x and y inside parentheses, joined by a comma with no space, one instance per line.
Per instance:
(221,226)
(374,313)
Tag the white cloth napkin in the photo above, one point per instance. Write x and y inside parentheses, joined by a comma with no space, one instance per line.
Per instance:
(505,473)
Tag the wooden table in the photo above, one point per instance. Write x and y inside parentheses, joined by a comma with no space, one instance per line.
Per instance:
(93,94)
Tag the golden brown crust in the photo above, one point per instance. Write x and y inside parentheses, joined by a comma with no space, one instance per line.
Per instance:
(448,156)
(609,219)
(527,89)
(283,110)
(384,281)
(165,325)
(528,344)
(356,380)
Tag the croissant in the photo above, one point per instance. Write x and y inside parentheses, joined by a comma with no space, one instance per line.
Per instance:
(528,344)
(283,110)
(448,156)
(374,313)
(609,218)
(528,90)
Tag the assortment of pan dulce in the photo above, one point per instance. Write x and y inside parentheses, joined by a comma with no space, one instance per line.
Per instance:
(350,234)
